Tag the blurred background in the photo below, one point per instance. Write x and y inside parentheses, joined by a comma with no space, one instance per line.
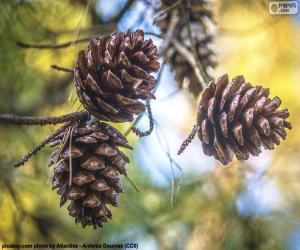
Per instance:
(188,202)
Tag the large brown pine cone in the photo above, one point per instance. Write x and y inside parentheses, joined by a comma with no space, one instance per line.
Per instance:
(96,163)
(200,17)
(237,118)
(113,74)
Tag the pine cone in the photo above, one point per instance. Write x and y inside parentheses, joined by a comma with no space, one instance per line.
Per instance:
(96,164)
(112,75)
(235,117)
(200,19)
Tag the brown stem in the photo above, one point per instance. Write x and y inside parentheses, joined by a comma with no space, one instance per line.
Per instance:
(42,144)
(60,68)
(27,120)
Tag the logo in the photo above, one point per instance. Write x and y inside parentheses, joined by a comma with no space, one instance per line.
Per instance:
(283,7)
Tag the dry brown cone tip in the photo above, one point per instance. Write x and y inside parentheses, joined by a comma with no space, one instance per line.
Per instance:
(114,74)
(95,163)
(236,118)
(201,24)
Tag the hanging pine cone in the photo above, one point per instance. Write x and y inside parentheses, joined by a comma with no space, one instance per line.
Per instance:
(237,118)
(112,75)
(201,22)
(96,163)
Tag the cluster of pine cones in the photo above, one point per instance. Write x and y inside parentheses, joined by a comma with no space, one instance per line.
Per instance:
(111,78)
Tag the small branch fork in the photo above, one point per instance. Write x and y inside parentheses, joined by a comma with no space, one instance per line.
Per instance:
(28,120)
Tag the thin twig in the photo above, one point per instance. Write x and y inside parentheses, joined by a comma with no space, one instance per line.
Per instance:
(67,44)
(28,120)
(60,68)
(51,46)
(153,34)
(140,133)
(193,44)
(188,140)
(41,145)
(166,10)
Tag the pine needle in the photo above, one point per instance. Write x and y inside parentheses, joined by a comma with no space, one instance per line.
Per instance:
(132,184)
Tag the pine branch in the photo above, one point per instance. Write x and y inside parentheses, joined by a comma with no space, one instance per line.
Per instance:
(42,144)
(66,44)
(51,46)
(27,120)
